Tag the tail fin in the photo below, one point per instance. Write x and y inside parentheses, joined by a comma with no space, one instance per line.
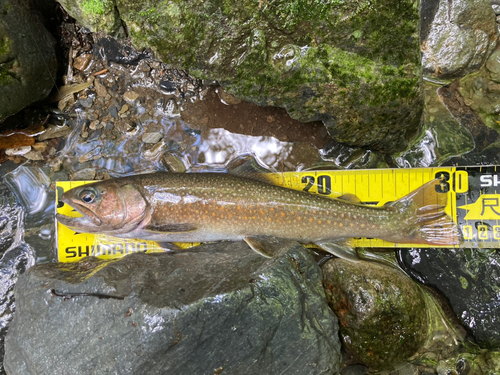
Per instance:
(425,219)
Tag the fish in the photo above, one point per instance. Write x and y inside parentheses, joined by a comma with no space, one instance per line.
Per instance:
(207,207)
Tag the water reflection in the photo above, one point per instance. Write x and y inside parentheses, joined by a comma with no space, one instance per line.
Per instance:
(31,187)
(199,150)
(221,146)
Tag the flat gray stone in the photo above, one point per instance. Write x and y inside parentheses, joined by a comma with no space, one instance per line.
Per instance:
(219,308)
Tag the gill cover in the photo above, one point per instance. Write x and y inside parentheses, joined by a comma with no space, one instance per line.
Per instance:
(106,206)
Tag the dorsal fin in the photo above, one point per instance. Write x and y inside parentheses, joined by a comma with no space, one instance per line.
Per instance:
(350,198)
(248,166)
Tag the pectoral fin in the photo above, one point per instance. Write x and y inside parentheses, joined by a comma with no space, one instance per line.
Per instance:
(163,228)
(168,246)
(258,244)
(340,250)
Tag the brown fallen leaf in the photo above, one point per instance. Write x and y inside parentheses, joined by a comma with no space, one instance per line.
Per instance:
(20,137)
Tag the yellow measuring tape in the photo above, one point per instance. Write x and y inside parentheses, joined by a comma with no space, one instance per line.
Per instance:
(473,203)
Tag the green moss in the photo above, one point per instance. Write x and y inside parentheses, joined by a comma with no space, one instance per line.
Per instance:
(99,7)
(315,58)
(5,46)
(5,78)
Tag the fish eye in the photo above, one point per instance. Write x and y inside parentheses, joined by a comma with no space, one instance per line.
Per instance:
(87,196)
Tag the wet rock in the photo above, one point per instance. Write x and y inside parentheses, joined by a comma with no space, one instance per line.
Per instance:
(10,218)
(96,15)
(217,308)
(446,131)
(27,57)
(16,257)
(459,39)
(470,279)
(382,313)
(353,65)
(471,364)
(54,131)
(481,92)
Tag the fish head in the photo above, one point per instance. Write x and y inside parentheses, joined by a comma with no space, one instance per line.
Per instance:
(109,206)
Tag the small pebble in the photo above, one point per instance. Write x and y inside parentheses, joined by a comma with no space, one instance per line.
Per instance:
(100,89)
(40,146)
(155,152)
(153,137)
(173,163)
(84,174)
(113,111)
(86,102)
(130,96)
(34,155)
(82,62)
(227,98)
(23,150)
(145,117)
(124,109)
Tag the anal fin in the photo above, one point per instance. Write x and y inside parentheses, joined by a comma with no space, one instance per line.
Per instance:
(258,245)
(340,250)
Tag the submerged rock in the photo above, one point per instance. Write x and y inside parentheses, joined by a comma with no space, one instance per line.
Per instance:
(382,313)
(481,91)
(387,319)
(470,279)
(353,65)
(27,57)
(457,37)
(485,363)
(219,308)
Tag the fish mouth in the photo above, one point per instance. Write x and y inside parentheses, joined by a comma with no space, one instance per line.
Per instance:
(78,224)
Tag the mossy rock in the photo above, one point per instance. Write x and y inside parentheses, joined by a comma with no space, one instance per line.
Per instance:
(354,65)
(382,312)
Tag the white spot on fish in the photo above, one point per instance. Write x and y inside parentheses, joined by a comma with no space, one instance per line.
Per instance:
(190,199)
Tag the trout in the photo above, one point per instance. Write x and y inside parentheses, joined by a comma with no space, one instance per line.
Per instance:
(204,207)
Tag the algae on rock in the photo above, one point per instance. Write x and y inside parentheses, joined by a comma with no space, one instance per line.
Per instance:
(353,65)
